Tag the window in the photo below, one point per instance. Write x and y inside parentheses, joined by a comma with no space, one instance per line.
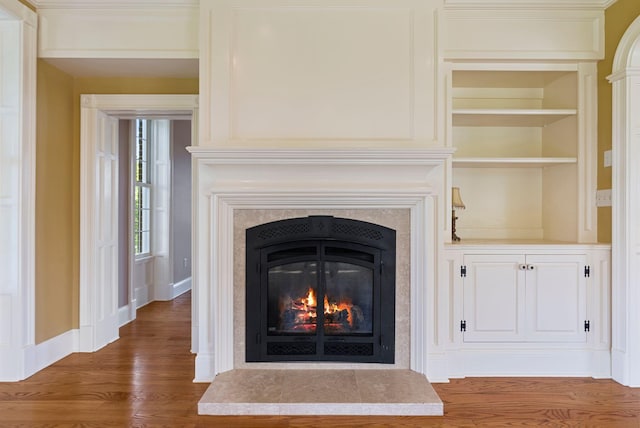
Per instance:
(142,190)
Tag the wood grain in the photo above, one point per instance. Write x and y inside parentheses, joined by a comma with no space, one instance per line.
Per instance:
(145,380)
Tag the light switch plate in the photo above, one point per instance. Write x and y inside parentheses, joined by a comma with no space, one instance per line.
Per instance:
(603,198)
(607,159)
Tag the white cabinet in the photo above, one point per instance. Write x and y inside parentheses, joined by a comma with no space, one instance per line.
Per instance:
(525,139)
(524,298)
(525,309)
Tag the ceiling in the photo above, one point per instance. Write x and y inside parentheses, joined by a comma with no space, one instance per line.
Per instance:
(94,67)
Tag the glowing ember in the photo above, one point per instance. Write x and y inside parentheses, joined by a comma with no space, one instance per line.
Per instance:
(300,315)
(332,309)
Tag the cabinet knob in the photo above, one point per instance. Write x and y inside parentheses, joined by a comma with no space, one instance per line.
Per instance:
(530,267)
(522,267)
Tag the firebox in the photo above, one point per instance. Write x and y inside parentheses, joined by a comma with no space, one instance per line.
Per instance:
(320,288)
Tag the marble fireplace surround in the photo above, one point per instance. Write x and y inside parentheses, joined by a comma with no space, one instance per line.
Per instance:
(396,219)
(407,181)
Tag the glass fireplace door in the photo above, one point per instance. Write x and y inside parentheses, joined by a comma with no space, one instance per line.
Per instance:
(331,298)
(348,299)
(292,298)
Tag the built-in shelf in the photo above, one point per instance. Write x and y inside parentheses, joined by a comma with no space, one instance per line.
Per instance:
(509,117)
(520,138)
(497,162)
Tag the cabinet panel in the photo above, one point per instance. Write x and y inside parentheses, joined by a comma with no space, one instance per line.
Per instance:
(552,33)
(494,298)
(524,298)
(556,298)
(545,285)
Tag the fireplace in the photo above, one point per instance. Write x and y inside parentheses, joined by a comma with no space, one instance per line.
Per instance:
(320,288)
(239,188)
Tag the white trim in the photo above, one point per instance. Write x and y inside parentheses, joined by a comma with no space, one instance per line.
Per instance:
(124,315)
(180,287)
(625,296)
(55,349)
(627,57)
(532,362)
(121,4)
(19,11)
(413,180)
(17,293)
(529,4)
(92,336)
(30,359)
(160,169)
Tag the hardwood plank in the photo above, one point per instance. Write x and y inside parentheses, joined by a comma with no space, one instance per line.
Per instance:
(145,379)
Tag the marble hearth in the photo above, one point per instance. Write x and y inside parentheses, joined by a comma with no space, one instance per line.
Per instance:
(238,188)
(320,392)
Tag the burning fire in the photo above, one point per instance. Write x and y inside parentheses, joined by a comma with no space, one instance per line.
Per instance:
(310,301)
(300,314)
(333,308)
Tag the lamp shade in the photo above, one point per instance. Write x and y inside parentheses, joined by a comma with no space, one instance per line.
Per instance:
(456,199)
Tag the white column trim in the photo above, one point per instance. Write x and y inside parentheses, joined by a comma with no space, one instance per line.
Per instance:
(625,298)
(18,357)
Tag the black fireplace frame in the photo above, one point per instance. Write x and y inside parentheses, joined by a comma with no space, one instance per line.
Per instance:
(336,239)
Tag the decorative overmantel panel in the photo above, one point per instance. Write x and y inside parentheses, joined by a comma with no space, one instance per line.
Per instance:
(229,179)
(318,73)
(524,30)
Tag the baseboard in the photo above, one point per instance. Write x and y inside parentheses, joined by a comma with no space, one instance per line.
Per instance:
(529,362)
(142,296)
(180,287)
(124,315)
(204,368)
(44,354)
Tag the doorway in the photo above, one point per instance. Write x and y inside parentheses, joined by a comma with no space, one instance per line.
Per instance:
(154,209)
(99,212)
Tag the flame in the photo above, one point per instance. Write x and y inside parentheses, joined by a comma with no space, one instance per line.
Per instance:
(332,308)
(311,298)
(302,312)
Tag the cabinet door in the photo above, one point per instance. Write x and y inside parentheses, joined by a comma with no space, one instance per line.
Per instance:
(556,298)
(494,293)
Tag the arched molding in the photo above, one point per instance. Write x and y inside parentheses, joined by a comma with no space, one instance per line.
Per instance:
(628,54)
(625,278)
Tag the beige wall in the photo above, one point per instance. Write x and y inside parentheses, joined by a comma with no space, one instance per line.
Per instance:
(54,194)
(618,17)
(58,186)
(29,5)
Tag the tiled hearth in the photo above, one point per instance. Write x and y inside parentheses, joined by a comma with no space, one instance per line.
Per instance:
(320,392)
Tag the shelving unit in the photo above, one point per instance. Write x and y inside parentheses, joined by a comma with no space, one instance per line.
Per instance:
(520,151)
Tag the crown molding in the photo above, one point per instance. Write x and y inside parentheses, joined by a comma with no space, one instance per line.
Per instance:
(488,4)
(528,4)
(13,9)
(110,4)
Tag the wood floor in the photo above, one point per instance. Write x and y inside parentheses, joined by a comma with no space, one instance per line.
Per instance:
(145,380)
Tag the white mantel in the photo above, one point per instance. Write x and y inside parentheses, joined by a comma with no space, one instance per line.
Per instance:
(230,179)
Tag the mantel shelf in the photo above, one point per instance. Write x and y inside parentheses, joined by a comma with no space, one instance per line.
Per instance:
(525,162)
